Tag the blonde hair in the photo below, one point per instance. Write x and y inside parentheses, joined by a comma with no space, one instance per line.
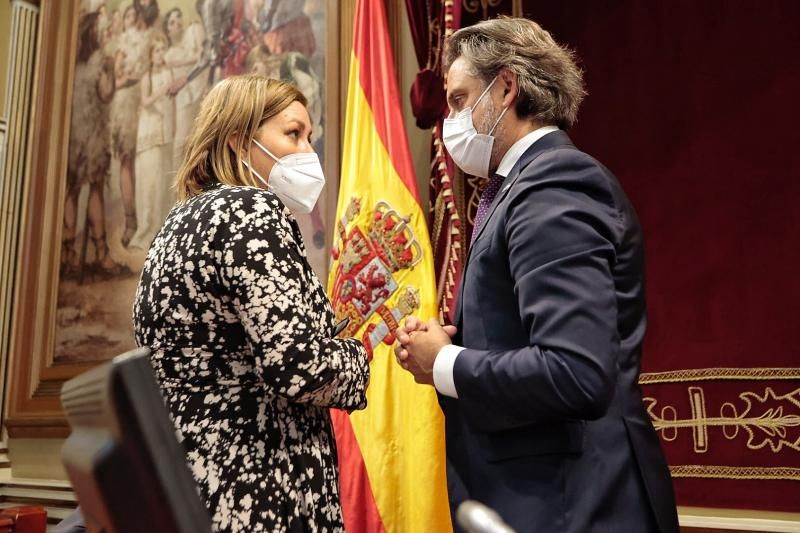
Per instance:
(550,83)
(238,105)
(156,38)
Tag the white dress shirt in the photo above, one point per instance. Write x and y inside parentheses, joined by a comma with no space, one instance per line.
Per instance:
(446,358)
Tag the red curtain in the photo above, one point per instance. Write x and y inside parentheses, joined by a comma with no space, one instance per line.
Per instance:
(693,105)
(431,22)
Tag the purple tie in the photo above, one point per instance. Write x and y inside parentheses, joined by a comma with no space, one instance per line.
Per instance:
(487,196)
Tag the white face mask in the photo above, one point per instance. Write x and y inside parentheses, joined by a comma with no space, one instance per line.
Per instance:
(297,179)
(470,150)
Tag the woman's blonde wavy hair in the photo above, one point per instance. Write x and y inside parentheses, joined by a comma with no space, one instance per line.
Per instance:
(238,106)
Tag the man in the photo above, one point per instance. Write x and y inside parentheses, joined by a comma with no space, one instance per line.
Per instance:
(539,383)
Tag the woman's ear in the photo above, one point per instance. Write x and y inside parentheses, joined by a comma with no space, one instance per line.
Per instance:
(233,142)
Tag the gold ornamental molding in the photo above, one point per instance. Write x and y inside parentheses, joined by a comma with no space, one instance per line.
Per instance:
(735,472)
(472,6)
(720,373)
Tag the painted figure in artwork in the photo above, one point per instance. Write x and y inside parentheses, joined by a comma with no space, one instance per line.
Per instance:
(154,153)
(285,44)
(89,158)
(129,68)
(185,50)
(143,67)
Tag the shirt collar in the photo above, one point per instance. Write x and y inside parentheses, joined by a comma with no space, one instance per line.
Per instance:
(520,147)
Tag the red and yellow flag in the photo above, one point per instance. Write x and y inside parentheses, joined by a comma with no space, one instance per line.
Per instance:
(391,455)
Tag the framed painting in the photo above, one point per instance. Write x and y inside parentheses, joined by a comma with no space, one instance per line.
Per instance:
(118,84)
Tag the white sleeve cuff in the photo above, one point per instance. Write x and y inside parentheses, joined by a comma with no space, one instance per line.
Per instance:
(443,370)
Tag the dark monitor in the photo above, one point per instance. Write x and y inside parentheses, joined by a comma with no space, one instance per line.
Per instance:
(123,457)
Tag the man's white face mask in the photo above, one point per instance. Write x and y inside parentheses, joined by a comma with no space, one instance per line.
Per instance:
(470,150)
(297,179)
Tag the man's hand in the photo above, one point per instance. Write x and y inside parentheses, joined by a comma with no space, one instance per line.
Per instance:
(418,344)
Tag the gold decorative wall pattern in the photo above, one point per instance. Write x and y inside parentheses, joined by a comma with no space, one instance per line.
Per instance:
(768,419)
(749,419)
(719,373)
(472,6)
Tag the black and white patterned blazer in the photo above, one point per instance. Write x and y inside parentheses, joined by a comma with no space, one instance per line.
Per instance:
(240,330)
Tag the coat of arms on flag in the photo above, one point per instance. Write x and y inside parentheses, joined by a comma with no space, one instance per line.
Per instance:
(369,257)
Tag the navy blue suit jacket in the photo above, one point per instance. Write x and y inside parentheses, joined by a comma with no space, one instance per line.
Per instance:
(549,427)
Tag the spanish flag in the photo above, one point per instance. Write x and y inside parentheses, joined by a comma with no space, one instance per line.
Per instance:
(391,455)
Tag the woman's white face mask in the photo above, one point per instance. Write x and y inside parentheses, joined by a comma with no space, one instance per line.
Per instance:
(297,179)
(470,150)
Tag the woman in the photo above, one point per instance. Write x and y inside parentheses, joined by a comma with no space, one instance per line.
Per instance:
(241,331)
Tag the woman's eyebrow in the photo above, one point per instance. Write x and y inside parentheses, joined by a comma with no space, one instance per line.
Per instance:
(298,122)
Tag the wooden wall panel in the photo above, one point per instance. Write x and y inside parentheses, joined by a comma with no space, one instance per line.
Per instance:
(34,409)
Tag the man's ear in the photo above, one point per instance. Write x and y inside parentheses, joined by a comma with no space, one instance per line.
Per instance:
(510,84)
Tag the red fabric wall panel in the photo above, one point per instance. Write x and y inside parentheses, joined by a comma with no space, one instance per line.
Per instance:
(694,106)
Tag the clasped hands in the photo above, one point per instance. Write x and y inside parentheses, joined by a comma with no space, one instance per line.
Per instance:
(418,344)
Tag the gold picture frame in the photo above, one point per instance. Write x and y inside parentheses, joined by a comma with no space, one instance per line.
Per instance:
(35,373)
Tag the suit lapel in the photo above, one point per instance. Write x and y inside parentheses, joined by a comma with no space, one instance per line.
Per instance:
(551,140)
